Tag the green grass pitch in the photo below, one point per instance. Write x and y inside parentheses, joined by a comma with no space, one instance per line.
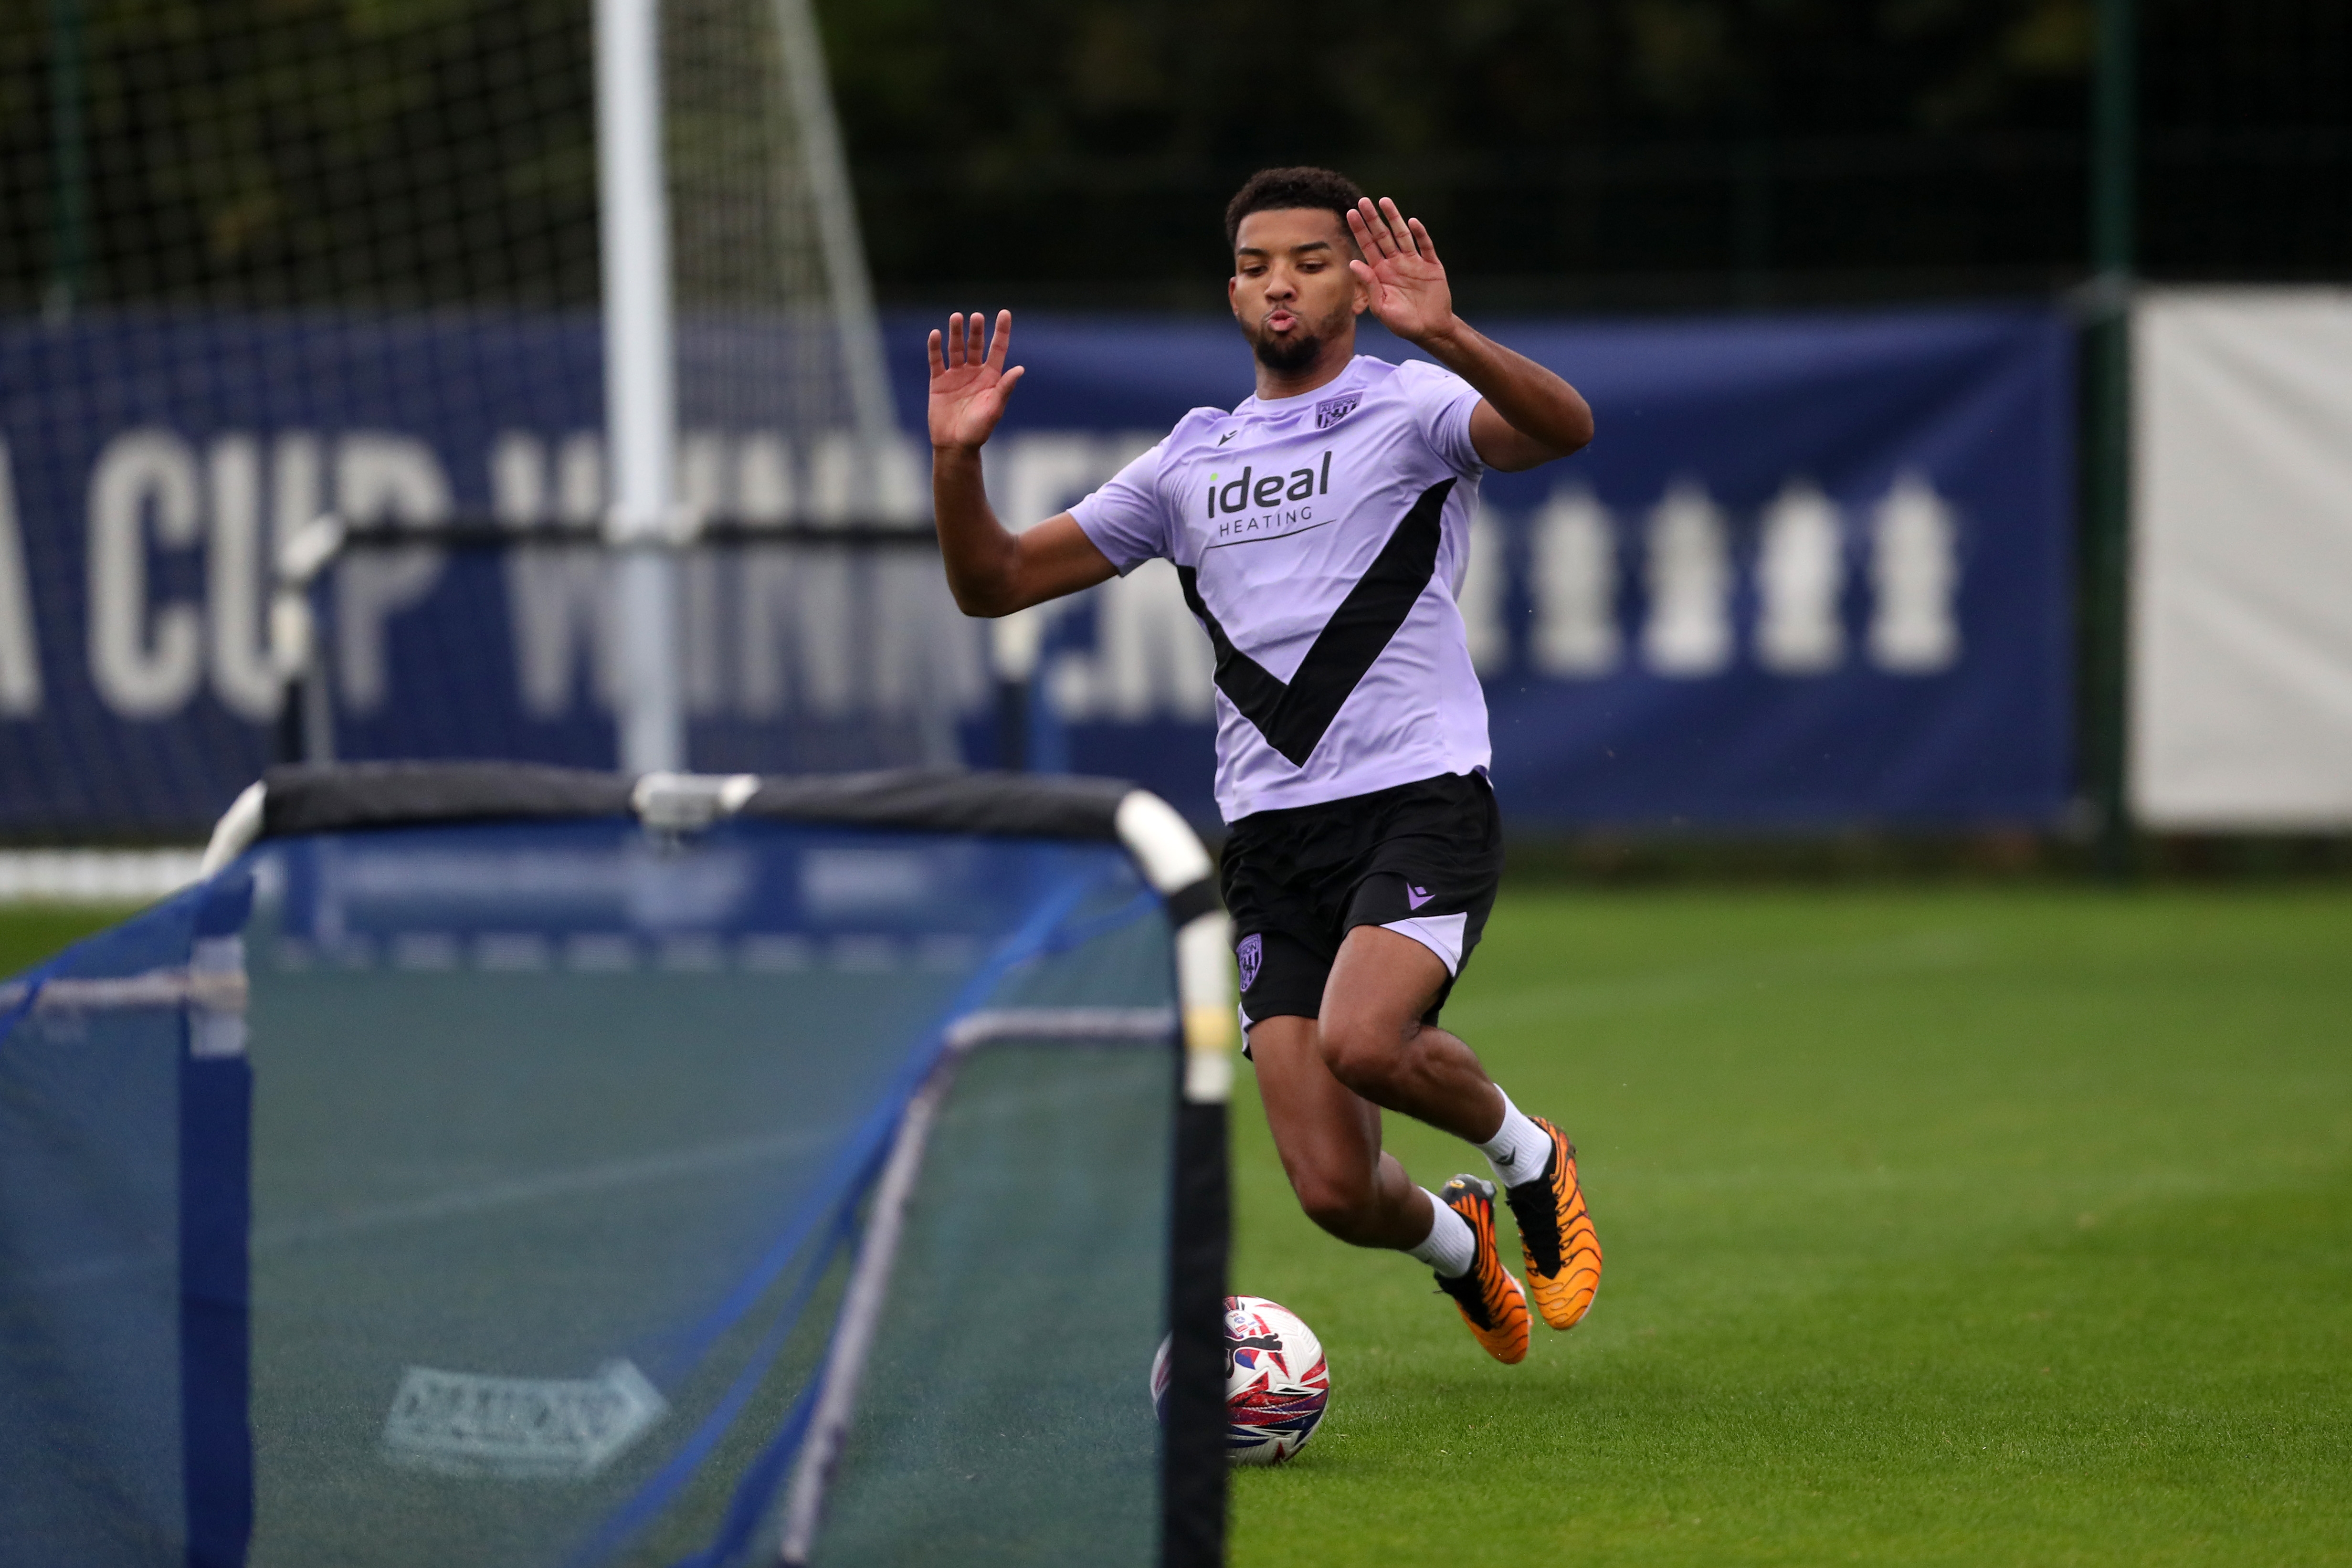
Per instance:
(1942,1227)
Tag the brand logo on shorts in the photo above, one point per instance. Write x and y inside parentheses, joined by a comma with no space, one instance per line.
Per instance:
(1250,954)
(1417,896)
(1332,410)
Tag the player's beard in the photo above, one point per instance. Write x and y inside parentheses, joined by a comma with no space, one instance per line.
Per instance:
(1294,351)
(1286,354)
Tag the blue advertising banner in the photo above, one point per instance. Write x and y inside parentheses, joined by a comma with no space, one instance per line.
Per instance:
(149,466)
(1814,570)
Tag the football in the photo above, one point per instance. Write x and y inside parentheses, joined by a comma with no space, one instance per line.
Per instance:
(1276,1383)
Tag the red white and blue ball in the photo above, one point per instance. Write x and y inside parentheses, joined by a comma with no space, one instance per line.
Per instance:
(1277,1381)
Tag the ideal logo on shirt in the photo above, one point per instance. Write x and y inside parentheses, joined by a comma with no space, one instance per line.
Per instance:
(1264,492)
(1332,410)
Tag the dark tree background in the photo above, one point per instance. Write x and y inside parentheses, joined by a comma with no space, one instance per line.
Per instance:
(1574,154)
(1592,150)
(274,152)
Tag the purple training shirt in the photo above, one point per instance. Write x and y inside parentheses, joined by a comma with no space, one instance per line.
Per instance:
(1320,540)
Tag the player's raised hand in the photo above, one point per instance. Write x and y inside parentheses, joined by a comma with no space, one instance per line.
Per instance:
(970,386)
(1409,295)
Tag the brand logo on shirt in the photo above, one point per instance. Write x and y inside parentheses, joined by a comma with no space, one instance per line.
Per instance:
(1332,410)
(1249,955)
(1265,490)
(1226,436)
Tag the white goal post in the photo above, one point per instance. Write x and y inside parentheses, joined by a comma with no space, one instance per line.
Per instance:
(640,340)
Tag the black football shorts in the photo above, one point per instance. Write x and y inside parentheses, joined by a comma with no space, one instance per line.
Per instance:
(1423,858)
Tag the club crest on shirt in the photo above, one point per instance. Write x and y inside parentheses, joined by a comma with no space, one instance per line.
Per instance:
(1332,410)
(1250,954)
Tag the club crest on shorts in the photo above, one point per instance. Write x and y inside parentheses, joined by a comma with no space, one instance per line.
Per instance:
(1332,410)
(1249,955)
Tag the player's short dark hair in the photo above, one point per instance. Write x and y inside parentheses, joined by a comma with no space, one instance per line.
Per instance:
(1271,189)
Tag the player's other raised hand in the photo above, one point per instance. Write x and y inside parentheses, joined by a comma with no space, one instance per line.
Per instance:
(970,386)
(1400,271)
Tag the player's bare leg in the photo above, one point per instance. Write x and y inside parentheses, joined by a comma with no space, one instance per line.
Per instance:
(1329,1140)
(1373,1041)
(1329,1133)
(1376,1052)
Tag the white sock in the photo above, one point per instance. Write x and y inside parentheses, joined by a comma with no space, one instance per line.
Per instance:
(1519,1149)
(1451,1246)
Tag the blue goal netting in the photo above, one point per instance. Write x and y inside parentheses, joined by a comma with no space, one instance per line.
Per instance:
(493,1165)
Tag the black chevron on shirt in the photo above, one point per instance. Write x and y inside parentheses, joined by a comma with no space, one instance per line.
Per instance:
(1293,717)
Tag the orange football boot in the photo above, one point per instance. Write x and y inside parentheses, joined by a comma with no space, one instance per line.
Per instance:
(1490,1299)
(1563,1255)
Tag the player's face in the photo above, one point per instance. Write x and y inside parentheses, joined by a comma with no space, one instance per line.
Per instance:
(1291,289)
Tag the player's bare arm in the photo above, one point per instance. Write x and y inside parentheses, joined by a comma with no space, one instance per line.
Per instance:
(990,569)
(1530,415)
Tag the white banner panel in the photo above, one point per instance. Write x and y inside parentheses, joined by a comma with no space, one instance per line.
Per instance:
(2241,569)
